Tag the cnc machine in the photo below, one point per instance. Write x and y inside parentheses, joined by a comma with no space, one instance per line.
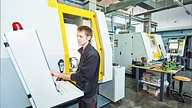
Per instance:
(28,54)
(131,47)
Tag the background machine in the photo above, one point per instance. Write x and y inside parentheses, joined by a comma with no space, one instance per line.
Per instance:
(180,49)
(176,47)
(131,47)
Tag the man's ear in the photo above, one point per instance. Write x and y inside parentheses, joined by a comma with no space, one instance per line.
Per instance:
(89,38)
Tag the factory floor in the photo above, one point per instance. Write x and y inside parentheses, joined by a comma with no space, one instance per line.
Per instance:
(145,100)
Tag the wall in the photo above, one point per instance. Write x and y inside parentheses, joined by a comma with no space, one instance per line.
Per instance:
(175,18)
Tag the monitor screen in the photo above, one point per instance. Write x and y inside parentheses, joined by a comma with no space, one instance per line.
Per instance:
(173,45)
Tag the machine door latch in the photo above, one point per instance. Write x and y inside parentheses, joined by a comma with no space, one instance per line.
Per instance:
(29,96)
(6,44)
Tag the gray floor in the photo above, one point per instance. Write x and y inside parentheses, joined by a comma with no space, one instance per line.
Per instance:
(145,100)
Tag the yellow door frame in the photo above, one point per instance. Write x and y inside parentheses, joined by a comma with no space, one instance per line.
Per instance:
(62,8)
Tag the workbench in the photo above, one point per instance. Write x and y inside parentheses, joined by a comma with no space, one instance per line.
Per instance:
(162,73)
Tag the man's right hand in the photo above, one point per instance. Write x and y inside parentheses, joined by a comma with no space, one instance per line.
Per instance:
(60,75)
(55,73)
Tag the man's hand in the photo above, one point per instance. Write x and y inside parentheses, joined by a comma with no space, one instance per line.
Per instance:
(60,75)
(55,73)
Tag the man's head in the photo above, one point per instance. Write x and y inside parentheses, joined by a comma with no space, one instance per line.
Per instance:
(84,35)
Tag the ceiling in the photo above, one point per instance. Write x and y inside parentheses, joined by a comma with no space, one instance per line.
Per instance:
(149,5)
(106,3)
(140,7)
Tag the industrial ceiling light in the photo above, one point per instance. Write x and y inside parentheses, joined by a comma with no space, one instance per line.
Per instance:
(98,0)
(158,0)
(179,2)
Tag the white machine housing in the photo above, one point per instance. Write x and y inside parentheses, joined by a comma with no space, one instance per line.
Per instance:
(29,59)
(115,89)
(46,21)
(106,45)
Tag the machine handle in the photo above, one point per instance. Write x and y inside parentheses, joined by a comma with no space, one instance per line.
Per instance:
(16,26)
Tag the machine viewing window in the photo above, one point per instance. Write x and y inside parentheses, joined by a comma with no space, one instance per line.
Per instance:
(173,45)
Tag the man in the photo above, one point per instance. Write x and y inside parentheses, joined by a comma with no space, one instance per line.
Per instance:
(86,76)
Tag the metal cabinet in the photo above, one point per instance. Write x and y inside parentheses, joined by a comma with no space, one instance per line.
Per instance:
(114,89)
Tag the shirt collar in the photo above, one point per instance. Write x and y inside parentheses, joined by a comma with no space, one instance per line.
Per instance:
(81,51)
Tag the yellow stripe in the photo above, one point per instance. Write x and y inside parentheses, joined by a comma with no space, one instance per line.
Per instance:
(99,47)
(75,11)
(150,34)
(158,53)
(52,3)
(64,39)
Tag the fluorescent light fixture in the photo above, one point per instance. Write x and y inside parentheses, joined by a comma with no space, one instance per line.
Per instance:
(179,2)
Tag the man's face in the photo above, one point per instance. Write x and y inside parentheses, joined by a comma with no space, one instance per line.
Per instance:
(82,38)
